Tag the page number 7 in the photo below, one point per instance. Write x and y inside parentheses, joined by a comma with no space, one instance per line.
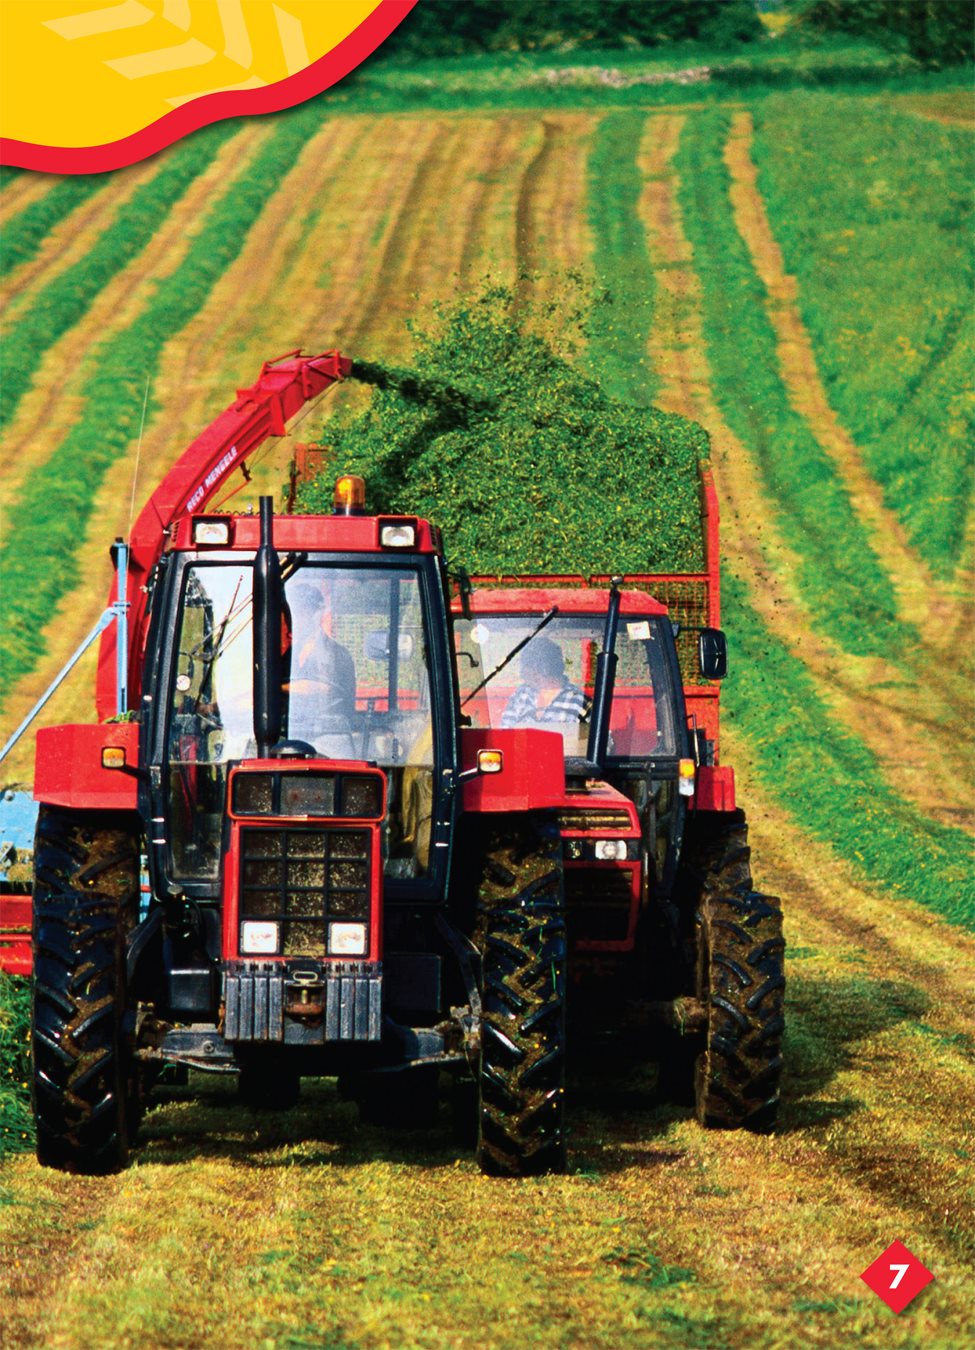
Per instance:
(901,1272)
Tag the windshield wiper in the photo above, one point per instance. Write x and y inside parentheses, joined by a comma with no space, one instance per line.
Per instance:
(546,618)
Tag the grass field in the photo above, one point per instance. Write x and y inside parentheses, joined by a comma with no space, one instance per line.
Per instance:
(792,269)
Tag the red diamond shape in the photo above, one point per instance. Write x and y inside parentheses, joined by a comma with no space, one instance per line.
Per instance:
(897,1276)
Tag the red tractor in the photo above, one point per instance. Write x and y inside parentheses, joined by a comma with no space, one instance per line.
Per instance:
(292,846)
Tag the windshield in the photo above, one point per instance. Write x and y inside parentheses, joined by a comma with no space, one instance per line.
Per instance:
(355,685)
(549,684)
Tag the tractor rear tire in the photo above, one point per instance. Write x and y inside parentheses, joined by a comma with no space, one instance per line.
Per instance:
(86,895)
(522,934)
(741,982)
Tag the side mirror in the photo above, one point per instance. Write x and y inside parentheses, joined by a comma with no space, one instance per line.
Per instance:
(712,653)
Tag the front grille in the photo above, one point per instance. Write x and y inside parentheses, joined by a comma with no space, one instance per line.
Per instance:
(598,903)
(594,819)
(302,878)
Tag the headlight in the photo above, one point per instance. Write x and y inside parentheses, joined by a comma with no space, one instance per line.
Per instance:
(346,939)
(397,536)
(259,938)
(685,777)
(212,532)
(610,850)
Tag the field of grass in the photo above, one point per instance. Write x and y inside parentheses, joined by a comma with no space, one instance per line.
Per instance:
(842,460)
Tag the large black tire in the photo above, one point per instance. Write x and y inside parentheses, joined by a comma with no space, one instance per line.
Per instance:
(521,932)
(742,984)
(86,893)
(715,860)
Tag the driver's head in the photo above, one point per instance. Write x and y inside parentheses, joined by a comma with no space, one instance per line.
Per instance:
(311,605)
(542,663)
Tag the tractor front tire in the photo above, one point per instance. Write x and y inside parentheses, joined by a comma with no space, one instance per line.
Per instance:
(522,934)
(86,894)
(741,982)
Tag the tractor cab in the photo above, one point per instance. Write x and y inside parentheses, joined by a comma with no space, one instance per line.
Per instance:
(543,644)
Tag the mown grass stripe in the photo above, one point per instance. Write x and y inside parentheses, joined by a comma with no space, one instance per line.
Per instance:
(885,269)
(56,501)
(65,300)
(840,575)
(23,235)
(620,324)
(822,774)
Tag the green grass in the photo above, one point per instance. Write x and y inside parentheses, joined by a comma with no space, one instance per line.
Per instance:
(57,499)
(619,78)
(841,577)
(65,300)
(16,1126)
(620,326)
(23,235)
(829,781)
(881,247)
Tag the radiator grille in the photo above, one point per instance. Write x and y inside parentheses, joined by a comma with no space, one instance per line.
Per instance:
(588,819)
(598,902)
(302,878)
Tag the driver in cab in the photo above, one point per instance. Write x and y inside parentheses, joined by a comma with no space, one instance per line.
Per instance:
(546,694)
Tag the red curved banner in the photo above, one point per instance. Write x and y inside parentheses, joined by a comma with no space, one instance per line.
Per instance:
(321,74)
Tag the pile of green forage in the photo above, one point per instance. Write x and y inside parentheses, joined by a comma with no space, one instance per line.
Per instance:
(523,461)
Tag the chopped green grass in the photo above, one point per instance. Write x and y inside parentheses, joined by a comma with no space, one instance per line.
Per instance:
(532,467)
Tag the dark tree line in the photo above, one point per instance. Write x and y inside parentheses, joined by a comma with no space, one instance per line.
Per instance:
(935,32)
(455,27)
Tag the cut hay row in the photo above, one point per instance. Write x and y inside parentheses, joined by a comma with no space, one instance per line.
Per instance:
(883,261)
(23,191)
(921,601)
(69,240)
(66,298)
(57,499)
(490,246)
(840,577)
(28,233)
(57,397)
(552,240)
(753,544)
(622,323)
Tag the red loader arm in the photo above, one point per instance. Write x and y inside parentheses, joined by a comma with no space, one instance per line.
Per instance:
(283,387)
